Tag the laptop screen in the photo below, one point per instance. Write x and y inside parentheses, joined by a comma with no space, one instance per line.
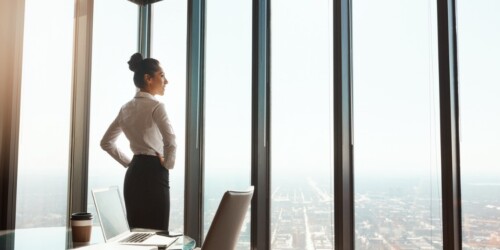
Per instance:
(109,207)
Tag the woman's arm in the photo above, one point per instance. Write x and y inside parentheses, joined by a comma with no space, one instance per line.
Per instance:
(108,143)
(169,146)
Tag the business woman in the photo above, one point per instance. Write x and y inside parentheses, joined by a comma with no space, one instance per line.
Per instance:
(145,123)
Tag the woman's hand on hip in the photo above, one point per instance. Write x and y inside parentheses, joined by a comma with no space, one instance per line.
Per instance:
(162,159)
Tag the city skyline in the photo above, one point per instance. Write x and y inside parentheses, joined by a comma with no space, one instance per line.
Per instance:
(384,215)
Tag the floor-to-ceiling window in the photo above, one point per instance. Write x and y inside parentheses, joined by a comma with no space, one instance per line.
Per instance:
(114,40)
(228,93)
(396,125)
(302,125)
(169,47)
(396,118)
(44,133)
(478,25)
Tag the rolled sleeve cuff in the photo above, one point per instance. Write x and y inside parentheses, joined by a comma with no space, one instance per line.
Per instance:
(169,161)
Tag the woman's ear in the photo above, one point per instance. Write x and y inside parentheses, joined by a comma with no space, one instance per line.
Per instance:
(147,78)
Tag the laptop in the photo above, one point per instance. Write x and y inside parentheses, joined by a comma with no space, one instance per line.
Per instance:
(115,228)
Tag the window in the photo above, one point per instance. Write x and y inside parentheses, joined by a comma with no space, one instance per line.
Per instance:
(397,161)
(45,115)
(302,125)
(396,125)
(478,61)
(114,41)
(169,47)
(228,102)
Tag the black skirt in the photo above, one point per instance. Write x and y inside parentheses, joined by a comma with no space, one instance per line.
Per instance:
(147,193)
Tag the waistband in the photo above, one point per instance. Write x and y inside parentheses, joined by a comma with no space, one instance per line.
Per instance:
(145,156)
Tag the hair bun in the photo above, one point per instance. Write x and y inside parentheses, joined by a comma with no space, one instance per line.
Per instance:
(135,61)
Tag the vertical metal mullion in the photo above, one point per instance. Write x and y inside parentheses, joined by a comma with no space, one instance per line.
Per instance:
(450,153)
(261,170)
(193,201)
(80,111)
(144,39)
(343,150)
(11,51)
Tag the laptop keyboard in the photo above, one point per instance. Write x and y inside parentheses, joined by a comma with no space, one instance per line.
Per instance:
(137,237)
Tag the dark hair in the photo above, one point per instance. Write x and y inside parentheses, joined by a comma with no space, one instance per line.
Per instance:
(141,67)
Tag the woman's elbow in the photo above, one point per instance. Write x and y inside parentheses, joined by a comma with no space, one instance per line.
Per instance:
(106,146)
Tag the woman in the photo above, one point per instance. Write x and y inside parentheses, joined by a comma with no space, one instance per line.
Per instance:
(145,123)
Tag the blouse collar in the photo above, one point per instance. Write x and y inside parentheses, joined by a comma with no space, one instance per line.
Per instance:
(141,94)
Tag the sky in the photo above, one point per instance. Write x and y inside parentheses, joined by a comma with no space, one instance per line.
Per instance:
(400,62)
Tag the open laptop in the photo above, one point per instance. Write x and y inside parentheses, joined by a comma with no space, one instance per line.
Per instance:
(115,228)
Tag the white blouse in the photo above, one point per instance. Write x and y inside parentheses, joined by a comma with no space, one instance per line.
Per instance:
(145,123)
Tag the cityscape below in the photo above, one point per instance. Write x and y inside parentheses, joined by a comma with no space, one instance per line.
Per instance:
(398,215)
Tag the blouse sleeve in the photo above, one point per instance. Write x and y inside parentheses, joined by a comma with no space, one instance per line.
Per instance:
(108,143)
(169,146)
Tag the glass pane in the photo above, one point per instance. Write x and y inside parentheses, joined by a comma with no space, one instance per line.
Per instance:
(302,125)
(479,62)
(114,40)
(227,105)
(42,190)
(396,125)
(169,47)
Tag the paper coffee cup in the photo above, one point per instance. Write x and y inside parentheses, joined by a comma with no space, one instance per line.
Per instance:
(81,227)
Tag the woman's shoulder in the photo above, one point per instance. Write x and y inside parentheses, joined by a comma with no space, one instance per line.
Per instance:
(155,102)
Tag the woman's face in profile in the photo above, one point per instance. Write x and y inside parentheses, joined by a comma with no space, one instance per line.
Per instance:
(157,83)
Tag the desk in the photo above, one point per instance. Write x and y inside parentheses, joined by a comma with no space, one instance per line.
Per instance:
(59,238)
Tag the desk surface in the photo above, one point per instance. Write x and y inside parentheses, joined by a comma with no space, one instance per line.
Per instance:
(59,238)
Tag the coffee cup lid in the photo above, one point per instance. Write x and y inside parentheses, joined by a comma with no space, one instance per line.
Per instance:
(81,216)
